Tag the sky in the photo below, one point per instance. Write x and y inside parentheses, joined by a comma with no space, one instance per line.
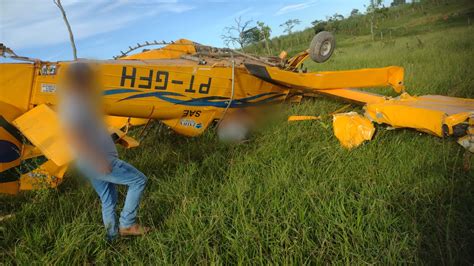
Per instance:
(102,28)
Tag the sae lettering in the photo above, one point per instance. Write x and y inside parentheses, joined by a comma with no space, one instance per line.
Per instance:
(191,113)
(159,80)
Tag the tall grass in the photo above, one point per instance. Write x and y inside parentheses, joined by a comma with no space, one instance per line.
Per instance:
(291,195)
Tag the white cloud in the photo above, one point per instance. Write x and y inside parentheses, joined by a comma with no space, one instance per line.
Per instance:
(30,23)
(295,7)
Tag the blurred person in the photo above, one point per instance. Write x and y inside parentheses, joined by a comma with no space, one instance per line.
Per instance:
(234,127)
(95,152)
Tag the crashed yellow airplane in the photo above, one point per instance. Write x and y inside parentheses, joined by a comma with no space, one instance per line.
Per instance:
(188,86)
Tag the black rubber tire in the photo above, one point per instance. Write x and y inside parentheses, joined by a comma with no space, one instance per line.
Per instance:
(319,39)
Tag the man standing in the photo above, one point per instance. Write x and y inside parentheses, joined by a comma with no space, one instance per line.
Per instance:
(95,152)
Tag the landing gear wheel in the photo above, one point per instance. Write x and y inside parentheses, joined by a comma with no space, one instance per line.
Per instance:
(322,46)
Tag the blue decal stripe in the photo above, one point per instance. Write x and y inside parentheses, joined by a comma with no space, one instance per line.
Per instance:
(151,94)
(214,101)
(119,91)
(223,103)
(210,98)
(261,95)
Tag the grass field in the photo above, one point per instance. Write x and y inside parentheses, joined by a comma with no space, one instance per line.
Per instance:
(290,195)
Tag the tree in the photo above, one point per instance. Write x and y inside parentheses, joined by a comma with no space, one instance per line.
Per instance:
(239,34)
(288,27)
(372,12)
(398,2)
(265,32)
(334,22)
(337,16)
(355,12)
(319,25)
(252,35)
(374,5)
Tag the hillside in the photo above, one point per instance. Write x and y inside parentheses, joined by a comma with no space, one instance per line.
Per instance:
(292,194)
(388,24)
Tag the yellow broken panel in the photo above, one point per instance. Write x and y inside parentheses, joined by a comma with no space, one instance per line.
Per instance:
(128,142)
(30,151)
(120,121)
(424,113)
(351,129)
(48,175)
(302,118)
(41,126)
(122,138)
(456,119)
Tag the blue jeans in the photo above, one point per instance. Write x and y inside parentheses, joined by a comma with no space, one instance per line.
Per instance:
(122,174)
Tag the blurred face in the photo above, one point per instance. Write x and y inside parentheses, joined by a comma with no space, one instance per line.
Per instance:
(80,78)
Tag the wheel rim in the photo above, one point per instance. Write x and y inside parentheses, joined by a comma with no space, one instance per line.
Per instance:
(325,48)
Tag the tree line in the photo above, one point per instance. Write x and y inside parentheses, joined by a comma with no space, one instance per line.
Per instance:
(250,36)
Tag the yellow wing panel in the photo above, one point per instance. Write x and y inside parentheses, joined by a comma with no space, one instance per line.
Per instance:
(425,113)
(41,126)
(361,78)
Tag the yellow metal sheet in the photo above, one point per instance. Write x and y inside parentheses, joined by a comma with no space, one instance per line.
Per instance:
(16,81)
(354,95)
(303,118)
(128,142)
(361,78)
(116,121)
(424,113)
(10,187)
(120,121)
(123,139)
(48,175)
(41,126)
(352,129)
